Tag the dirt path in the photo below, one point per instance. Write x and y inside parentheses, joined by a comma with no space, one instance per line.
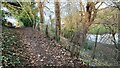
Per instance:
(42,51)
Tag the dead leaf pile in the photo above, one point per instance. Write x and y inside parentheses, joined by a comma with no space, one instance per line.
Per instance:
(42,51)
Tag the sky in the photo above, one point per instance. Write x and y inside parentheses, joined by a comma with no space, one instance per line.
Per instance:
(50,5)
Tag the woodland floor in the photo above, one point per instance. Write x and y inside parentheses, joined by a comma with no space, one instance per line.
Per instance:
(39,50)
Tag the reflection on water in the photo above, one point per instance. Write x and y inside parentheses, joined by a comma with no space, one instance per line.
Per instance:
(104,38)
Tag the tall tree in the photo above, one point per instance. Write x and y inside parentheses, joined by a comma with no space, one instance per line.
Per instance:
(58,19)
(118,6)
(41,11)
(112,23)
(88,14)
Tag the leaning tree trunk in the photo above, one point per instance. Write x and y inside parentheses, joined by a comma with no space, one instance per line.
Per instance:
(58,20)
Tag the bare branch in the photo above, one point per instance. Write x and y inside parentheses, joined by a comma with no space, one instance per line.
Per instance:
(99,5)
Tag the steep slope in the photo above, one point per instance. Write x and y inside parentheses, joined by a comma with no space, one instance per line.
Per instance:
(42,51)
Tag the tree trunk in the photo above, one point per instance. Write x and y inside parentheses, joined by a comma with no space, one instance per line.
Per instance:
(58,20)
(94,50)
(86,24)
(88,19)
(46,31)
(40,8)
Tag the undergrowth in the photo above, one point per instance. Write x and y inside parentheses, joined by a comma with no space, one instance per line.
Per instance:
(11,49)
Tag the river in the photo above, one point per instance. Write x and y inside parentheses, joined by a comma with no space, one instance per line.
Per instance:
(104,38)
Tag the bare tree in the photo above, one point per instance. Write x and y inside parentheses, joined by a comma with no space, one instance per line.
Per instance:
(88,14)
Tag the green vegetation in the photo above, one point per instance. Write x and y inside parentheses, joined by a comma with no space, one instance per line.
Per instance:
(89,45)
(102,29)
(25,19)
(11,48)
(70,26)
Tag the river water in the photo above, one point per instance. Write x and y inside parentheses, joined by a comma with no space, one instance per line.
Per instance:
(104,38)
